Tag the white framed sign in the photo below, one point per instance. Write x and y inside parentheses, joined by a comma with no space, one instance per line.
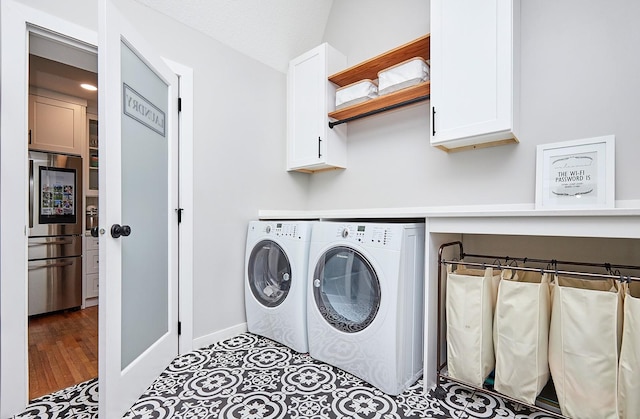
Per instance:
(576,174)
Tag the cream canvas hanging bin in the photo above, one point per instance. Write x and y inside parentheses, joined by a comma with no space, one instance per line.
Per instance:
(470,302)
(584,344)
(629,380)
(521,333)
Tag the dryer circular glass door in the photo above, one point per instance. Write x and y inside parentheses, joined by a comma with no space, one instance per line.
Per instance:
(346,289)
(269,273)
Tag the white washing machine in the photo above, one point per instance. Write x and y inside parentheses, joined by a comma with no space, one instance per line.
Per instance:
(365,303)
(275,286)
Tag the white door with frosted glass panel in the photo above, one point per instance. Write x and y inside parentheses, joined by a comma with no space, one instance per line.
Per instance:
(138,316)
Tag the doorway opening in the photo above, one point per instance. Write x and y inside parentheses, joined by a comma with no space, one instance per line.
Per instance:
(62,308)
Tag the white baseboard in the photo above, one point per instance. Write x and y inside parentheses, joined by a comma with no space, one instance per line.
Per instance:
(210,339)
(90,302)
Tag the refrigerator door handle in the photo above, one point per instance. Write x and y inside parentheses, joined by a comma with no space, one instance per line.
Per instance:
(50,242)
(49,265)
(30,193)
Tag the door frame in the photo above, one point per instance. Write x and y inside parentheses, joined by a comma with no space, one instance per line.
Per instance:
(185,199)
(16,20)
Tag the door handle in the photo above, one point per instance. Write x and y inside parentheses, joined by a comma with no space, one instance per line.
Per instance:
(31,196)
(94,232)
(117,230)
(433,121)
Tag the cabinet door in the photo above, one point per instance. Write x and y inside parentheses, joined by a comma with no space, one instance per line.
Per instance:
(91,162)
(92,261)
(306,92)
(473,55)
(56,125)
(91,274)
(311,145)
(92,286)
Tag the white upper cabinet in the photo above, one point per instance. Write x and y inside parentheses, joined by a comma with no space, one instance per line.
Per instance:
(474,73)
(57,123)
(311,145)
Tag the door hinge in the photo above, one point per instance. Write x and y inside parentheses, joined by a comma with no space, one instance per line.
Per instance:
(179,211)
(179,328)
(179,104)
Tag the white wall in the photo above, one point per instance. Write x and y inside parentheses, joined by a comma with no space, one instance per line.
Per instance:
(239,152)
(579,79)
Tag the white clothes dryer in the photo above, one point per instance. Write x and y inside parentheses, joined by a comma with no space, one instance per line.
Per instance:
(275,285)
(365,304)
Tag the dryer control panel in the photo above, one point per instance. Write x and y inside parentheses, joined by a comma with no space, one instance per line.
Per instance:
(287,230)
(280,229)
(291,231)
(365,233)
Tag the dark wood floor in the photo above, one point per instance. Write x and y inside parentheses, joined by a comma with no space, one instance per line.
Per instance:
(63,350)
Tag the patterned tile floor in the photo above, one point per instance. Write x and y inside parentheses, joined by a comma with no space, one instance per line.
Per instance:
(251,377)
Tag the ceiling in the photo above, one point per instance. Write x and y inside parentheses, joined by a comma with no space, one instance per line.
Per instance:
(62,78)
(270,31)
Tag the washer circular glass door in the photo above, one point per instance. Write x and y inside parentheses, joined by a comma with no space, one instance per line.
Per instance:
(269,273)
(346,289)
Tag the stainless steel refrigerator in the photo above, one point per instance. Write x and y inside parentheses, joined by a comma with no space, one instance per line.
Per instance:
(55,232)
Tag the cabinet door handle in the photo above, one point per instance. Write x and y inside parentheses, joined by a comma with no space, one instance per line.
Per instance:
(433,121)
(319,151)
(29,136)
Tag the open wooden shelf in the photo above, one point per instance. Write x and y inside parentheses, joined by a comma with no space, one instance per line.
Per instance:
(380,102)
(369,69)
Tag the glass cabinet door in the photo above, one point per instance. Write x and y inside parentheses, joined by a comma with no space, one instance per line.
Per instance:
(92,155)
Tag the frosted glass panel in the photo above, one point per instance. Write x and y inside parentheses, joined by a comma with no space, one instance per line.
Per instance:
(145,207)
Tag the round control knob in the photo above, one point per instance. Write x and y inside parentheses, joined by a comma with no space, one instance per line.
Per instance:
(267,229)
(285,276)
(316,283)
(345,233)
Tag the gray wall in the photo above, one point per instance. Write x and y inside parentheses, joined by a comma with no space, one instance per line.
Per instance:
(239,159)
(579,79)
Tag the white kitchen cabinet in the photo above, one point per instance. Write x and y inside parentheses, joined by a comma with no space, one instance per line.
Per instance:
(91,271)
(311,145)
(57,123)
(474,73)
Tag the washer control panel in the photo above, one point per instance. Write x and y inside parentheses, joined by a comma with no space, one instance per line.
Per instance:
(281,229)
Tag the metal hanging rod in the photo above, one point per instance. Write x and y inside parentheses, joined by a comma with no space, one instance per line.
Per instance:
(623,278)
(376,111)
(612,269)
(507,259)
